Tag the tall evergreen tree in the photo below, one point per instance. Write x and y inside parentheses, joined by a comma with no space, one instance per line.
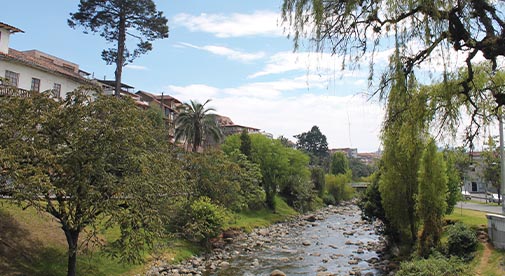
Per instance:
(114,20)
(431,197)
(313,143)
(194,124)
(245,143)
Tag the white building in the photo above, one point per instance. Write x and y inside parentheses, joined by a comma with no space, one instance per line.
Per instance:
(37,71)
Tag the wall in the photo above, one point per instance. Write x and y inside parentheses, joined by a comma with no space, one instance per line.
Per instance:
(47,80)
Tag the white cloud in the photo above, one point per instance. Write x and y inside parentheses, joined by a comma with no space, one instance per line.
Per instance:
(136,67)
(263,23)
(275,107)
(226,52)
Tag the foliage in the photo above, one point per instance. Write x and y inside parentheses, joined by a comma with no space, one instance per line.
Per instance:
(434,266)
(457,161)
(461,241)
(204,220)
(114,20)
(282,169)
(403,135)
(245,143)
(313,143)
(286,142)
(492,163)
(339,163)
(422,31)
(231,181)
(431,197)
(194,124)
(82,161)
(338,186)
(317,176)
(360,169)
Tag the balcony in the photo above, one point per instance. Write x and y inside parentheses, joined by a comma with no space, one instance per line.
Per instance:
(13,91)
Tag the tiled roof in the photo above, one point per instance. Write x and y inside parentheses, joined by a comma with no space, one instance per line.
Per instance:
(41,64)
(10,28)
(154,98)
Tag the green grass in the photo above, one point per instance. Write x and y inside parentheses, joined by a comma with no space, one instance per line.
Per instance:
(37,246)
(248,220)
(472,218)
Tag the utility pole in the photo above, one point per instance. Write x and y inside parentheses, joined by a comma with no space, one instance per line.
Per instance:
(502,162)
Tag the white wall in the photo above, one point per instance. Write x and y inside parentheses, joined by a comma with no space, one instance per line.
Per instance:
(4,40)
(47,80)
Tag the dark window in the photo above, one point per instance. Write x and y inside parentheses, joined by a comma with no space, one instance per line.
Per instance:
(35,85)
(57,89)
(12,77)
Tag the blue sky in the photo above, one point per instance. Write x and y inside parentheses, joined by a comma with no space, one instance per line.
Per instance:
(233,52)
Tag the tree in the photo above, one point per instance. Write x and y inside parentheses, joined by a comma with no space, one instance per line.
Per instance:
(403,135)
(245,143)
(491,163)
(457,161)
(114,20)
(313,143)
(423,30)
(431,197)
(317,176)
(339,163)
(194,124)
(359,168)
(88,164)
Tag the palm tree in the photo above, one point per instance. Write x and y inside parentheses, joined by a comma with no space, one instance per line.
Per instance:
(194,124)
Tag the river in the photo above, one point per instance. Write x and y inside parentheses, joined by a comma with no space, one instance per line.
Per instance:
(332,241)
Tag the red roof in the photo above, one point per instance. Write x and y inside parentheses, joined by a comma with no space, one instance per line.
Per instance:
(10,28)
(41,64)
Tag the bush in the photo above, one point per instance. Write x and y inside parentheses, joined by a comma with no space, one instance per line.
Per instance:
(461,241)
(328,199)
(204,221)
(434,266)
(338,187)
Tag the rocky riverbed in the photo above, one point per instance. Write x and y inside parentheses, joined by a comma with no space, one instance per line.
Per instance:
(331,241)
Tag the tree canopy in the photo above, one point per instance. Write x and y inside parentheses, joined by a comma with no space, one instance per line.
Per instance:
(88,164)
(313,143)
(115,20)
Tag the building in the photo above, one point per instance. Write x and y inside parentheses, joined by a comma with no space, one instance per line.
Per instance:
(473,180)
(108,88)
(349,152)
(230,128)
(167,104)
(34,70)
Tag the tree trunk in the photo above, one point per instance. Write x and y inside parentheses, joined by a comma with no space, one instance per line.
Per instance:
(120,54)
(72,241)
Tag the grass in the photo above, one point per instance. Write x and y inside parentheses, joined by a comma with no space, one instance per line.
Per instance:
(248,220)
(35,245)
(474,219)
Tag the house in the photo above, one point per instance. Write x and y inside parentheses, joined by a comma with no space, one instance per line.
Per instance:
(34,70)
(473,180)
(108,87)
(168,106)
(349,152)
(230,128)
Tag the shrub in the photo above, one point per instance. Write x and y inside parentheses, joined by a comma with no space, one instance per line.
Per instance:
(461,241)
(204,221)
(328,199)
(338,187)
(434,266)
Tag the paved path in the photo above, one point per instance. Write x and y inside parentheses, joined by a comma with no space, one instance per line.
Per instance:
(496,209)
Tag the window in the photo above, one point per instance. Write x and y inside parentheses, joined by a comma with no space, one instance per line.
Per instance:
(35,85)
(12,77)
(57,90)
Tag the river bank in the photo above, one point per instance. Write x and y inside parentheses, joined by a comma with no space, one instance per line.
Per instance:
(330,241)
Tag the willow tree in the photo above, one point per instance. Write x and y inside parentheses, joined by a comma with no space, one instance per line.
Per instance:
(403,137)
(425,31)
(117,19)
(431,199)
(90,164)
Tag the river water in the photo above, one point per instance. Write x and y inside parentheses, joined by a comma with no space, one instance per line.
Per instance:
(334,240)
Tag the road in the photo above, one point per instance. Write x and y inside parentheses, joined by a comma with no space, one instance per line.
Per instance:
(496,209)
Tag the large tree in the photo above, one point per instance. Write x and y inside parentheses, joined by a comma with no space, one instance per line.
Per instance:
(421,31)
(491,165)
(117,19)
(313,143)
(431,198)
(339,163)
(195,124)
(89,164)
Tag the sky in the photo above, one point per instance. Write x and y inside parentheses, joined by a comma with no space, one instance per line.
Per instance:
(235,53)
